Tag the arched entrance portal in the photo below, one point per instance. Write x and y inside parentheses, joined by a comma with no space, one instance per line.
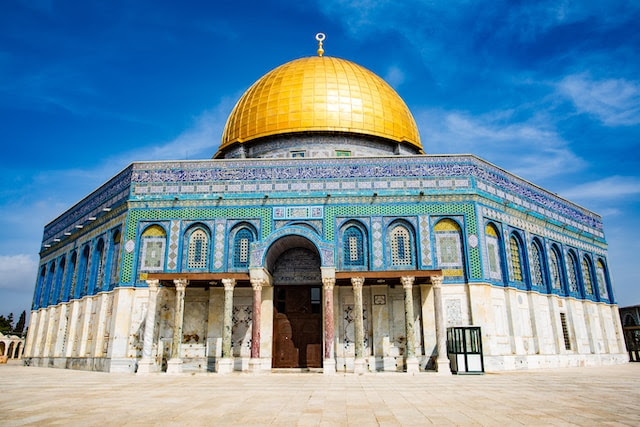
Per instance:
(297,300)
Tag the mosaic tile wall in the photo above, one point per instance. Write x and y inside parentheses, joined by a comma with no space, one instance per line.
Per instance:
(413,172)
(408,210)
(136,214)
(277,192)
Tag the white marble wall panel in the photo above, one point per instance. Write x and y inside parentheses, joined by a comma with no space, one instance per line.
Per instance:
(166,310)
(194,329)
(136,330)
(215,320)
(242,313)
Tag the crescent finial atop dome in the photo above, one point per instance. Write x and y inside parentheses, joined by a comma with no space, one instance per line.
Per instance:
(320,37)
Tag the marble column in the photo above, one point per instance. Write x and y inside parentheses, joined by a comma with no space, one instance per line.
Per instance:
(147,364)
(255,362)
(328,362)
(359,365)
(442,360)
(411,361)
(225,364)
(174,365)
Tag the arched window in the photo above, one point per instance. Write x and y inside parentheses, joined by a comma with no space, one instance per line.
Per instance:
(494,257)
(556,271)
(587,277)
(198,252)
(537,273)
(81,286)
(448,241)
(48,284)
(57,297)
(572,272)
(97,268)
(629,320)
(353,248)
(241,247)
(70,280)
(515,252)
(39,287)
(401,246)
(153,248)
(114,273)
(602,280)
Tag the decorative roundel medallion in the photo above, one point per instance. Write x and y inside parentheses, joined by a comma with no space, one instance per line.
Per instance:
(129,246)
(473,241)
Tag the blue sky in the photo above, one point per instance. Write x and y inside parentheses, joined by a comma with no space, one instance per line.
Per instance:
(549,90)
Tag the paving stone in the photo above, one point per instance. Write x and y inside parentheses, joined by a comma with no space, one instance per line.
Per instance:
(573,396)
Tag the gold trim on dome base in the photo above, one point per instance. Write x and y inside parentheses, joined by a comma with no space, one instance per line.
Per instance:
(320,93)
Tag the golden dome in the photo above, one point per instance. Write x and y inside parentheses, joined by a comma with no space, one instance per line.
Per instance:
(320,93)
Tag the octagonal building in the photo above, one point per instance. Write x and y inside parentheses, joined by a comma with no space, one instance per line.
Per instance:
(321,237)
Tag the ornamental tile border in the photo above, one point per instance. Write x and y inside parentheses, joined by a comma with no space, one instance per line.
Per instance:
(218,249)
(174,233)
(322,169)
(425,240)
(376,242)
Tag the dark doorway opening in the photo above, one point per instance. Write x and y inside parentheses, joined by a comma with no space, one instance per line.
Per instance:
(297,314)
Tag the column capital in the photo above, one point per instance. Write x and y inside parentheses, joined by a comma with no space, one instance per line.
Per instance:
(256,283)
(153,284)
(328,283)
(407,281)
(180,284)
(357,282)
(229,284)
(436,281)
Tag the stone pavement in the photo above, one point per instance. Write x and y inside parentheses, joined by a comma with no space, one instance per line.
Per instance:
(571,396)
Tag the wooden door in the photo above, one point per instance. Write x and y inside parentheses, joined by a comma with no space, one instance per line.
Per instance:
(297,327)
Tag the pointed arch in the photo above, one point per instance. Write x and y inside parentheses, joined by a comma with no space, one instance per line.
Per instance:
(115,257)
(517,273)
(81,285)
(587,277)
(197,247)
(70,280)
(603,283)
(39,287)
(629,320)
(354,253)
(153,248)
(573,273)
(448,245)
(241,237)
(493,246)
(555,267)
(401,245)
(18,351)
(48,284)
(538,276)
(57,289)
(96,280)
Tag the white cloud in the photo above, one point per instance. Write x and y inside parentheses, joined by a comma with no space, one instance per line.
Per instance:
(201,140)
(18,271)
(532,148)
(611,188)
(615,102)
